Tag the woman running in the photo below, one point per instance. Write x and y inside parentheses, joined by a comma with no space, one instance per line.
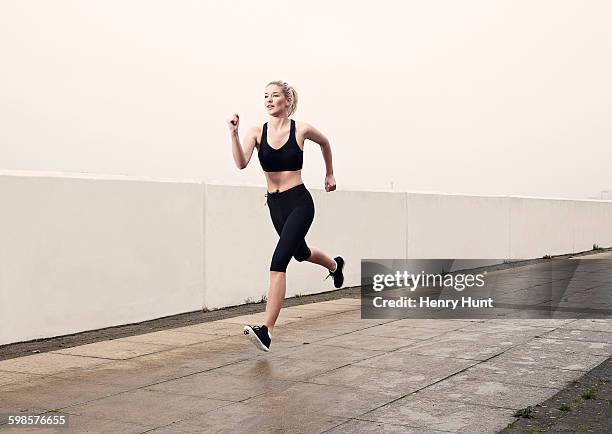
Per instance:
(280,144)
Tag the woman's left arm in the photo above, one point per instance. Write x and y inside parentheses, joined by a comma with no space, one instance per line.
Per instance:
(316,136)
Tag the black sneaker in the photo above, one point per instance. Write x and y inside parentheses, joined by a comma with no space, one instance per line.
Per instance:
(337,274)
(260,336)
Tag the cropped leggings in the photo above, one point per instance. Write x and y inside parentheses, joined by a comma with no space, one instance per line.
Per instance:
(292,212)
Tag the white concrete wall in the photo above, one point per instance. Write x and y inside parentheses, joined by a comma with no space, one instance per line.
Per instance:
(84,252)
(79,254)
(446,226)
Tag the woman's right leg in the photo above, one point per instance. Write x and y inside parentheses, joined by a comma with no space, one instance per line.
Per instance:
(317,256)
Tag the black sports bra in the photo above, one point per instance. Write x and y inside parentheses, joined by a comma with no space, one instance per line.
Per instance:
(288,157)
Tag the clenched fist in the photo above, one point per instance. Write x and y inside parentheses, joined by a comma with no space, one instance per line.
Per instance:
(233,123)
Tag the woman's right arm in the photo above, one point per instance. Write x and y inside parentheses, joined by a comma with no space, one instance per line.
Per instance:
(242,156)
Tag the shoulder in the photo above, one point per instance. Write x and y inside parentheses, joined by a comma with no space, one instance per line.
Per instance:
(308,131)
(254,133)
(304,128)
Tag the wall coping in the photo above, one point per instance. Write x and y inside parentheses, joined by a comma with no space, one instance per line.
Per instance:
(101,176)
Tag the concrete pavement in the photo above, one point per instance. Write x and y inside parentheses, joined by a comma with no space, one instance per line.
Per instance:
(328,370)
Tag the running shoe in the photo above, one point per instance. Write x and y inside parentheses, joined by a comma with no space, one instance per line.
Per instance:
(259,335)
(337,273)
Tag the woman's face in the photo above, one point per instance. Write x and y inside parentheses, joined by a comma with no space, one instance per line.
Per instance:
(275,101)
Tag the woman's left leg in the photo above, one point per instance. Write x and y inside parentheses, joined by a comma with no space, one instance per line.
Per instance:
(317,256)
(276,295)
(290,243)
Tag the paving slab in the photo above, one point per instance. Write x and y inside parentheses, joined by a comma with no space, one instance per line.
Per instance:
(394,330)
(472,389)
(313,398)
(599,325)
(147,408)
(48,363)
(423,369)
(536,358)
(355,317)
(351,317)
(294,311)
(350,301)
(213,328)
(319,352)
(436,324)
(136,373)
(336,325)
(394,383)
(327,308)
(514,328)
(258,318)
(172,338)
(367,342)
(7,377)
(52,393)
(365,426)
(114,349)
(282,368)
(299,333)
(568,346)
(316,331)
(248,419)
(581,335)
(512,373)
(535,322)
(217,385)
(510,338)
(462,348)
(417,411)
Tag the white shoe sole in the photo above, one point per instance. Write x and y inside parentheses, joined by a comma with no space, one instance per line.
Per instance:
(253,337)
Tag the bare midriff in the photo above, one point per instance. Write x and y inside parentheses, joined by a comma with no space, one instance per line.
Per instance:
(288,178)
(282,181)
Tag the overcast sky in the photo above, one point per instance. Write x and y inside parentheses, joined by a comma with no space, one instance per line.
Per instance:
(478,97)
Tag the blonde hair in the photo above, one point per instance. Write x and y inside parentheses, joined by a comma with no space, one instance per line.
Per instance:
(289,92)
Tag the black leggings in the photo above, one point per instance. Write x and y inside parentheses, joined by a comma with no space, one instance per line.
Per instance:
(292,212)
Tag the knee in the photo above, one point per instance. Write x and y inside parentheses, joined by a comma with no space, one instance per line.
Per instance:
(278,265)
(302,255)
